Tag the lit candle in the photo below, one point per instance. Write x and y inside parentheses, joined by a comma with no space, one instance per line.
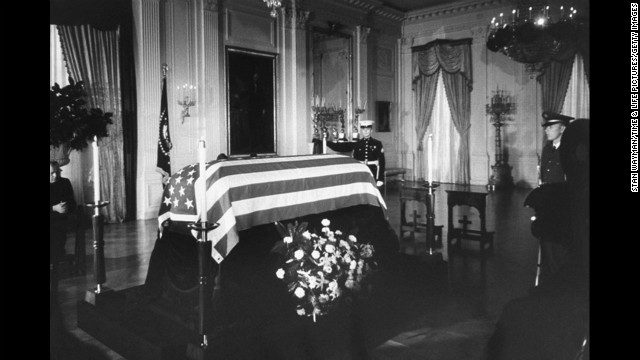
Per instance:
(96,171)
(513,16)
(203,177)
(324,143)
(365,104)
(530,12)
(430,158)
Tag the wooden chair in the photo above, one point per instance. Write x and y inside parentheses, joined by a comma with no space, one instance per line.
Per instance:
(472,199)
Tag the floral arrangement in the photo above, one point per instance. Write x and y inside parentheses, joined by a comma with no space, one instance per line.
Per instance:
(321,269)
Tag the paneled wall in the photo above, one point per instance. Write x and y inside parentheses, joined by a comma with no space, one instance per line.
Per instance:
(191,36)
(522,136)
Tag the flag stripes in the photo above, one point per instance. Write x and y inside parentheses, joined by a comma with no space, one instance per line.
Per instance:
(245,193)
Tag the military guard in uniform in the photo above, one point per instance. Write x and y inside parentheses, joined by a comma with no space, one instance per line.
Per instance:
(367,150)
(550,203)
(550,169)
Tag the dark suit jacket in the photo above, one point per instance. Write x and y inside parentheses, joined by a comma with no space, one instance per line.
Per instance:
(59,191)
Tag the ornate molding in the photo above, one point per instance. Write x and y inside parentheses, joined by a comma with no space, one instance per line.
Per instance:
(364,33)
(211,5)
(455,9)
(301,18)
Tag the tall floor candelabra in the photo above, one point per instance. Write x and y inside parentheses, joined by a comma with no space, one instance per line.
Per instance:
(500,106)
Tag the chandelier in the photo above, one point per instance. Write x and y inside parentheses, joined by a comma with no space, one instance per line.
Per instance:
(530,35)
(273,5)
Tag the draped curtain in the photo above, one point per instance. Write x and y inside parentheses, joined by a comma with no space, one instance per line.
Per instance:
(97,42)
(453,57)
(577,103)
(92,56)
(554,82)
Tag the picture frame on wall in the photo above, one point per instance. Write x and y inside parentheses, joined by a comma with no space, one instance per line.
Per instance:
(382,116)
(251,99)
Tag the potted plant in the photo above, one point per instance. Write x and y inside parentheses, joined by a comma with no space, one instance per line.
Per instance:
(71,125)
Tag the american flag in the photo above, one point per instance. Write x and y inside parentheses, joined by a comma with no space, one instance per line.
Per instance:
(164,139)
(244,193)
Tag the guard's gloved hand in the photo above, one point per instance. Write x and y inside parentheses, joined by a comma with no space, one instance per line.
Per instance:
(379,183)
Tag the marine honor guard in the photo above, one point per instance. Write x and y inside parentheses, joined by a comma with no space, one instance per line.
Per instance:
(367,150)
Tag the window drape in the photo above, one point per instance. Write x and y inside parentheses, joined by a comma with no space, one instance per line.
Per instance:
(577,103)
(93,56)
(554,81)
(453,57)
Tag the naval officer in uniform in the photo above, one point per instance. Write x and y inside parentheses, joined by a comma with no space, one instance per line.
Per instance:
(367,150)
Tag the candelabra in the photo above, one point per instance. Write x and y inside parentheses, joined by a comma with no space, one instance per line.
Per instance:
(500,106)
(323,115)
(187,99)
(273,5)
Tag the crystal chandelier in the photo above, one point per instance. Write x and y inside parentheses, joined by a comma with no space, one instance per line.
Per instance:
(273,5)
(530,35)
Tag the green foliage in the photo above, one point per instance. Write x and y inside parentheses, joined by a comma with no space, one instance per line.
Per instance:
(70,122)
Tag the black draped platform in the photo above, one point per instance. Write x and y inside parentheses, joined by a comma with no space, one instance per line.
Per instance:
(253,316)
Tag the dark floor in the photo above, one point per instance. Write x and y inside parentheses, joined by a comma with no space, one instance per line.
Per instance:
(448,324)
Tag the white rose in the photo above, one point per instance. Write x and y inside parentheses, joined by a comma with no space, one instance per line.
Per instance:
(353,265)
(313,282)
(325,229)
(325,222)
(280,274)
(327,269)
(287,240)
(330,248)
(315,254)
(347,258)
(307,236)
(338,232)
(345,244)
(349,284)
(300,311)
(324,298)
(353,238)
(298,254)
(299,292)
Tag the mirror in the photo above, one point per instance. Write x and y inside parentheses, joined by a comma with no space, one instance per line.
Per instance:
(332,82)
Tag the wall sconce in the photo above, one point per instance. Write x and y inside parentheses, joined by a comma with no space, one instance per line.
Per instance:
(188,99)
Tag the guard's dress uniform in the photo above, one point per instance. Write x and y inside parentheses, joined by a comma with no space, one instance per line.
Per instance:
(368,151)
(551,170)
(551,224)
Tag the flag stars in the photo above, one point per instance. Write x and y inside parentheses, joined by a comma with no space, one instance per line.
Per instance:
(176,202)
(189,203)
(181,191)
(189,180)
(171,190)
(167,201)
(191,172)
(178,179)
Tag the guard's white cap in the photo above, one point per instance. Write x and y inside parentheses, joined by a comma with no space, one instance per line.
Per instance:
(364,123)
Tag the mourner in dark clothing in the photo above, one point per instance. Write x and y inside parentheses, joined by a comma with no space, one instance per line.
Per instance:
(552,323)
(61,203)
(367,150)
(552,243)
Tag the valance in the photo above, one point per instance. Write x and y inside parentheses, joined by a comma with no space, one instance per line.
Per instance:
(453,56)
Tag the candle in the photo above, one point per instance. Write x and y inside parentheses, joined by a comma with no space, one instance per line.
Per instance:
(430,158)
(96,171)
(203,179)
(324,143)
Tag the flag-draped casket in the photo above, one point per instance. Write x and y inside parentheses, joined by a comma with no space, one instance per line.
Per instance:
(245,197)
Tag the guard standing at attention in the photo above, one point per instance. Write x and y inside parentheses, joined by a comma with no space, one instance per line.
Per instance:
(550,169)
(367,150)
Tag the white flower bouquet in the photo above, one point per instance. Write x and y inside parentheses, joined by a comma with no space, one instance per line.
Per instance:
(321,269)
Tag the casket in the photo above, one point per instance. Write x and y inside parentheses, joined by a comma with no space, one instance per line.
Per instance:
(245,198)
